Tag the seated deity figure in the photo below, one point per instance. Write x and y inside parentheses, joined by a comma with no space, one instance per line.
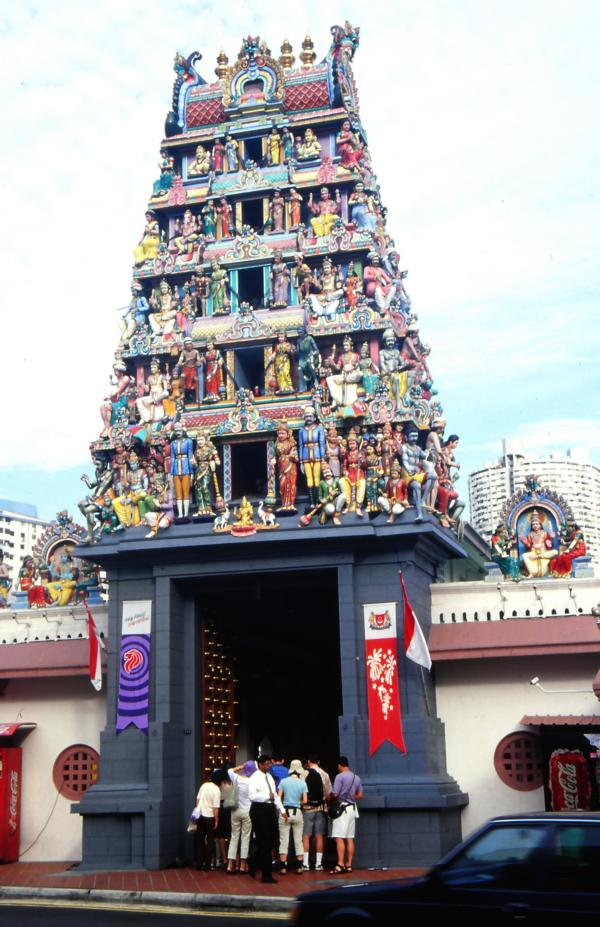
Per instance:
(418,479)
(309,148)
(572,546)
(393,500)
(150,405)
(350,147)
(324,212)
(186,234)
(147,249)
(504,550)
(376,282)
(540,545)
(201,163)
(328,283)
(343,385)
(164,305)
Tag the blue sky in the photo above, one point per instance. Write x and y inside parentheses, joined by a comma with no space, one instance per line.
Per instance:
(483,125)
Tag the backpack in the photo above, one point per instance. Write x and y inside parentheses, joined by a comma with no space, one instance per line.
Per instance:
(314,785)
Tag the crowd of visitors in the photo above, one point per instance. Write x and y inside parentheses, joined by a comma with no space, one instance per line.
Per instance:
(248,815)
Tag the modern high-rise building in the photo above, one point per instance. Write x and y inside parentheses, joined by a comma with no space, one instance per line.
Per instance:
(572,475)
(20,529)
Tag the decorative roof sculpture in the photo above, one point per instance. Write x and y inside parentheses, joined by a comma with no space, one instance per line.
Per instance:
(269,355)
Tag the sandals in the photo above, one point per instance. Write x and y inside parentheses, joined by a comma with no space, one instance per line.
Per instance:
(339,870)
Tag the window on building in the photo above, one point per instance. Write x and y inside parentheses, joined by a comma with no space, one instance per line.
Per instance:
(75,770)
(250,287)
(253,147)
(249,470)
(518,761)
(253,215)
(250,369)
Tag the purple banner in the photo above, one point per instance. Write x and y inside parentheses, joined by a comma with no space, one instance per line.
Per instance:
(134,682)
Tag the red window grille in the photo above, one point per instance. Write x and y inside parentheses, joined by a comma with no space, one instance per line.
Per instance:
(518,761)
(75,769)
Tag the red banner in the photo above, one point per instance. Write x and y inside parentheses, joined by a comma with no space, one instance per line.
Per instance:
(570,786)
(383,690)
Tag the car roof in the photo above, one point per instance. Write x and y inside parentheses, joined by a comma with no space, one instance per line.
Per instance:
(575,815)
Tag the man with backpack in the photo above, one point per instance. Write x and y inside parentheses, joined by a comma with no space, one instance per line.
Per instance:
(318,786)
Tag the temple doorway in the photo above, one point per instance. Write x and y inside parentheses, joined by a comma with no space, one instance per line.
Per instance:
(279,633)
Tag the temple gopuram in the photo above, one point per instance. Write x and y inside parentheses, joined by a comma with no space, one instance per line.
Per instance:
(270,455)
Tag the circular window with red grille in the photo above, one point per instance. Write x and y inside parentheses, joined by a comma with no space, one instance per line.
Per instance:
(75,769)
(518,761)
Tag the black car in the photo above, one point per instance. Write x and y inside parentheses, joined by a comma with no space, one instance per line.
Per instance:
(528,868)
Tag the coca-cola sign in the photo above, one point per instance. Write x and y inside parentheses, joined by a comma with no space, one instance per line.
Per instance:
(13,802)
(570,787)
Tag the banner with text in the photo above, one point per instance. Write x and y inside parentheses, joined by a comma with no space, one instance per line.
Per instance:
(134,673)
(385,722)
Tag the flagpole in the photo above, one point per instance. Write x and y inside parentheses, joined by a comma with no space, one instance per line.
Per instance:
(427,703)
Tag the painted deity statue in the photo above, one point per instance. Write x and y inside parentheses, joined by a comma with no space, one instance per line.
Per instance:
(219,288)
(217,159)
(309,148)
(324,212)
(189,361)
(147,249)
(447,501)
(208,215)
(377,283)
(224,219)
(130,505)
(504,553)
(331,499)
(164,304)
(335,450)
(5,581)
(232,154)
(309,358)
(163,513)
(394,499)
(311,450)
(349,146)
(116,403)
(352,288)
(186,234)
(540,546)
(278,211)
(281,359)
(391,367)
(214,384)
(374,479)
(207,460)
(280,279)
(136,315)
(325,303)
(150,405)
(164,183)
(303,277)
(181,467)
(287,464)
(572,546)
(275,147)
(201,163)
(368,368)
(287,142)
(362,210)
(343,385)
(353,480)
(295,201)
(418,480)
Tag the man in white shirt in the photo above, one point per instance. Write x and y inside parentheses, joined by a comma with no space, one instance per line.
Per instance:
(208,801)
(264,812)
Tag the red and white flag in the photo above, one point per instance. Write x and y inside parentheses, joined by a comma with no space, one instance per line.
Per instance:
(96,643)
(383,686)
(415,645)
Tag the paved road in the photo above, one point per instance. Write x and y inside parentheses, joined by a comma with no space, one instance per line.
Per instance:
(56,914)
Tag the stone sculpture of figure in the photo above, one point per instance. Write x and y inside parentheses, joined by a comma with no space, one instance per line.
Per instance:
(5,581)
(343,385)
(295,203)
(287,143)
(117,401)
(303,277)
(504,553)
(309,148)
(186,234)
(219,288)
(311,450)
(201,283)
(376,283)
(414,474)
(209,219)
(324,212)
(217,158)
(388,448)
(447,500)
(329,287)
(181,467)
(232,154)
(189,361)
(282,364)
(391,367)
(165,304)
(349,146)
(90,506)
(572,545)
(207,460)
(164,183)
(186,313)
(335,450)
(201,163)
(150,405)
(214,384)
(224,219)
(61,588)
(394,499)
(280,278)
(353,480)
(287,464)
(147,249)
(374,479)
(274,147)
(175,400)
(539,544)
(136,315)
(362,210)
(331,497)
(163,513)
(368,368)
(352,288)
(309,358)
(278,211)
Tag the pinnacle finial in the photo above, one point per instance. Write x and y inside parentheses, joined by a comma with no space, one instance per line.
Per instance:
(286,59)
(308,54)
(222,62)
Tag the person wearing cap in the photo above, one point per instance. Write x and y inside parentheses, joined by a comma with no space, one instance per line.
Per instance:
(241,826)
(293,794)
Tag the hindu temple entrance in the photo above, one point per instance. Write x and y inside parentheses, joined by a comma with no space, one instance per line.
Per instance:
(281,632)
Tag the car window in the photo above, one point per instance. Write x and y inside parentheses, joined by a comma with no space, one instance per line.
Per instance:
(501,856)
(575,859)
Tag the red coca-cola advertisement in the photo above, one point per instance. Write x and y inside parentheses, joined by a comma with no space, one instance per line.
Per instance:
(570,786)
(10,803)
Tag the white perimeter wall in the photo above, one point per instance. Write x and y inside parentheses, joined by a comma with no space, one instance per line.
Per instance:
(480,701)
(67,711)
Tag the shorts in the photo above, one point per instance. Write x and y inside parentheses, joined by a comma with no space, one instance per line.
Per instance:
(345,825)
(314,824)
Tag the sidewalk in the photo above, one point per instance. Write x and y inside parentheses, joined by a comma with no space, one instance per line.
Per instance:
(183,887)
